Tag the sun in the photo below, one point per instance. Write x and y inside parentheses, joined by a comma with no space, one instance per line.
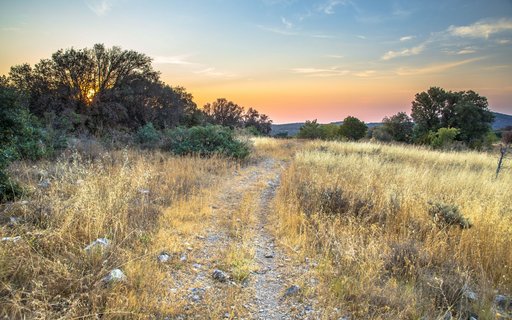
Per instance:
(90,95)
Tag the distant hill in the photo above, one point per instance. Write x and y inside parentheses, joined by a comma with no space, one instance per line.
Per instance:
(501,120)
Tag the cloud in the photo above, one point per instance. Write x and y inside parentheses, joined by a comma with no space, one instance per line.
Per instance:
(287,24)
(212,72)
(334,56)
(179,60)
(361,37)
(99,7)
(321,72)
(466,51)
(481,29)
(365,74)
(290,32)
(503,41)
(328,7)
(13,29)
(434,68)
(404,53)
(407,38)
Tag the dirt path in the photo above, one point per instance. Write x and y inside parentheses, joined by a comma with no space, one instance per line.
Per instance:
(240,227)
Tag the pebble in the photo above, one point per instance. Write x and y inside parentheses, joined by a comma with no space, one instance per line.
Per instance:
(293,290)
(219,275)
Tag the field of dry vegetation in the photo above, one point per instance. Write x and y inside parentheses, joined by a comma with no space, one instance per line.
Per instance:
(389,232)
(400,232)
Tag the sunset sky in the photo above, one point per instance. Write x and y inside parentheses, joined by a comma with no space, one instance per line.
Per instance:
(293,60)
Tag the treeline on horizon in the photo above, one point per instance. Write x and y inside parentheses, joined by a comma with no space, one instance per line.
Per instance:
(114,96)
(439,118)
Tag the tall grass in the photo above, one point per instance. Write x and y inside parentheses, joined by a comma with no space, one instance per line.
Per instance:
(372,215)
(144,203)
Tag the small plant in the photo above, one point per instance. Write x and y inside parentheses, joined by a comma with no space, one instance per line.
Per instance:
(446,215)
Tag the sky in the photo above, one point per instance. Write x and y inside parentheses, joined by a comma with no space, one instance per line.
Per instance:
(291,59)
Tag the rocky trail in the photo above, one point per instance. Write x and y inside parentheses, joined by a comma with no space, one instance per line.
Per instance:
(273,286)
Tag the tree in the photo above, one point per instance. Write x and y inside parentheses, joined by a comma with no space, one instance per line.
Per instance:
(353,128)
(311,130)
(427,109)
(260,122)
(225,113)
(399,127)
(465,110)
(106,87)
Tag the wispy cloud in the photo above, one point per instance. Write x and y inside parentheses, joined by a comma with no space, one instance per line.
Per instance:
(329,6)
(292,32)
(404,53)
(321,72)
(436,68)
(287,24)
(212,72)
(365,73)
(407,38)
(179,60)
(12,29)
(361,37)
(466,51)
(334,56)
(99,7)
(482,29)
(503,41)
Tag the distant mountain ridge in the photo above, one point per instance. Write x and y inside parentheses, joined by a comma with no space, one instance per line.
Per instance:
(501,120)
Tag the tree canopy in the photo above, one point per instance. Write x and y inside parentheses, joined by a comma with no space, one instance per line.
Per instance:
(465,110)
(353,128)
(105,87)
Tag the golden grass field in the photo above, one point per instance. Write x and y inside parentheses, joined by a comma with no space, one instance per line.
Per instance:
(363,212)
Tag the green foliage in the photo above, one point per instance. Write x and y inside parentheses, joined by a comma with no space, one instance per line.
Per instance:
(353,128)
(206,141)
(311,130)
(380,133)
(443,138)
(147,136)
(465,110)
(20,137)
(446,215)
(229,114)
(399,127)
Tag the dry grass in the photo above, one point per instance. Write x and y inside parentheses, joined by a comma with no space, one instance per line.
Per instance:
(144,203)
(364,212)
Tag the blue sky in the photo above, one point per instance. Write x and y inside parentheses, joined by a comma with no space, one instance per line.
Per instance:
(293,60)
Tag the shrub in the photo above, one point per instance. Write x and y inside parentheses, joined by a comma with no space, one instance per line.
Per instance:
(446,215)
(148,136)
(205,141)
(20,137)
(443,138)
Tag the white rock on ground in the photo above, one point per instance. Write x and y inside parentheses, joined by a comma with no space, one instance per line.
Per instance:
(102,243)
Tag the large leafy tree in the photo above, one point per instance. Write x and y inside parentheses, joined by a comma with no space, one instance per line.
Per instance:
(399,127)
(261,122)
(311,130)
(353,128)
(427,109)
(225,113)
(465,110)
(108,87)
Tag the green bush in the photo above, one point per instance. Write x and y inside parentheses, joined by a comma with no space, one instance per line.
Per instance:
(148,136)
(443,138)
(20,137)
(205,141)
